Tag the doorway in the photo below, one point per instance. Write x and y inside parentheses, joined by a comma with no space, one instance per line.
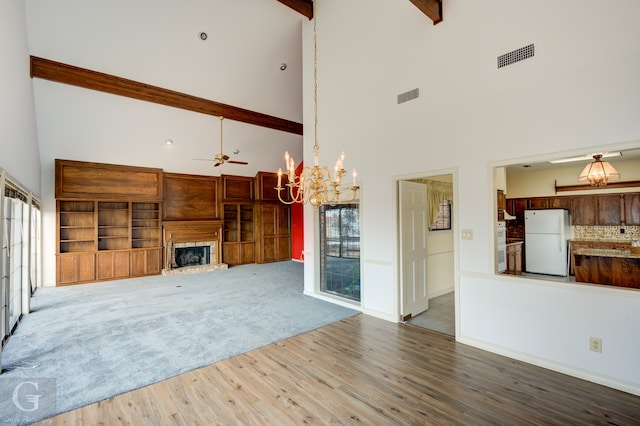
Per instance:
(436,230)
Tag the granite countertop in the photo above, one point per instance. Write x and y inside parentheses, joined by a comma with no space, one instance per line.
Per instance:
(513,243)
(607,253)
(593,240)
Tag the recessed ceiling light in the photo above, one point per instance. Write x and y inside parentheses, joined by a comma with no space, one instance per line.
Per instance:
(586,157)
(203,35)
(168,141)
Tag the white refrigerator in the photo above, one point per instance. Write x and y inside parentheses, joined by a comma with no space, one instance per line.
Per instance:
(546,235)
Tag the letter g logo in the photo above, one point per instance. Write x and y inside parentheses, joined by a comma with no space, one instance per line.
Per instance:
(32,399)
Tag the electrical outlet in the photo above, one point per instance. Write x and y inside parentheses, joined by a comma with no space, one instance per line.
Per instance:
(622,230)
(595,344)
(467,234)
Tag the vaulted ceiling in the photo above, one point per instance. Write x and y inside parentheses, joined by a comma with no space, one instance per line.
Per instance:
(91,79)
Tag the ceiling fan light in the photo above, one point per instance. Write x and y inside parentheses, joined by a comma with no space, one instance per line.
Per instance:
(598,173)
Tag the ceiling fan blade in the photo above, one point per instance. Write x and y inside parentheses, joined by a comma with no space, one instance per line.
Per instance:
(224,157)
(237,162)
(217,164)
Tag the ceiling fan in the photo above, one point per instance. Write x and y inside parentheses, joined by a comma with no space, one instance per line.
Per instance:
(221,158)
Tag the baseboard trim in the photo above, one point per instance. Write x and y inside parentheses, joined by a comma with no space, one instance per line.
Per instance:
(607,381)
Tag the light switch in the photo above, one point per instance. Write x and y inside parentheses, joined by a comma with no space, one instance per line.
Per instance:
(467,234)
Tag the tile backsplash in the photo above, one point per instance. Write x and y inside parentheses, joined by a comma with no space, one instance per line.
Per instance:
(597,233)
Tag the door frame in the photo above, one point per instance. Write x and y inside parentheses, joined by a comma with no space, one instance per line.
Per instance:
(455,227)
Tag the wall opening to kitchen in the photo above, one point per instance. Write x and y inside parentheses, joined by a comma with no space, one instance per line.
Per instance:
(595,227)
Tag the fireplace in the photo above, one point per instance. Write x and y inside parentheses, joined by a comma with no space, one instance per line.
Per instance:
(193,253)
(192,247)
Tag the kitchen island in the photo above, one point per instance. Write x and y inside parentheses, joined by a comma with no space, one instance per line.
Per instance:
(619,268)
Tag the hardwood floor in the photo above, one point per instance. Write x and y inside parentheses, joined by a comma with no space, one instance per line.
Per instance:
(365,370)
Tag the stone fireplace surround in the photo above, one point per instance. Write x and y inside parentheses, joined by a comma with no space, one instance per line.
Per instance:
(180,234)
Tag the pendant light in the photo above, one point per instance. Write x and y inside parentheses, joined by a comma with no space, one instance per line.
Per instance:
(598,173)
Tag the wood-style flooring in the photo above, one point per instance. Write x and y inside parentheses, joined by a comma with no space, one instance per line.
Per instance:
(363,370)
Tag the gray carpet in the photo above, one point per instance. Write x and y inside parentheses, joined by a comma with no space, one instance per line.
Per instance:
(99,340)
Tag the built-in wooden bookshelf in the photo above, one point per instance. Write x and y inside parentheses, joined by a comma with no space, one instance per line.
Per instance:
(238,243)
(113,225)
(76,226)
(145,225)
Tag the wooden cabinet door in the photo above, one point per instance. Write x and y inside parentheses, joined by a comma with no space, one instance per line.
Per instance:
(231,253)
(539,203)
(609,210)
(573,246)
(631,209)
(274,233)
(75,268)
(247,252)
(560,203)
(112,264)
(583,210)
(146,262)
(502,204)
(519,206)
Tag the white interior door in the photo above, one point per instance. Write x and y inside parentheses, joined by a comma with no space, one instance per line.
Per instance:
(413,248)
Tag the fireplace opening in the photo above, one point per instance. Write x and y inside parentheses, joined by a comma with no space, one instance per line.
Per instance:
(191,256)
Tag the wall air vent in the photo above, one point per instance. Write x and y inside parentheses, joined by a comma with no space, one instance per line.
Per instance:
(407,96)
(516,56)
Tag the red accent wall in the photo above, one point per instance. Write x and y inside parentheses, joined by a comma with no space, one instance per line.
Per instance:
(297,227)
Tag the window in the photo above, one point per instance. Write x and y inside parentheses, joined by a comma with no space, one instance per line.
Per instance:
(340,250)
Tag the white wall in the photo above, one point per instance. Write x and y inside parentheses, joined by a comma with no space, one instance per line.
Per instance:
(19,145)
(578,92)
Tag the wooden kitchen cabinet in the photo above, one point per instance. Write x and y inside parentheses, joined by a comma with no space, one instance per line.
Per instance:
(616,271)
(516,207)
(573,247)
(560,203)
(502,204)
(631,209)
(539,203)
(514,258)
(609,210)
(584,210)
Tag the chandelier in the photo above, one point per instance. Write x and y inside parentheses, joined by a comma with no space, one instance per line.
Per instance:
(315,185)
(599,172)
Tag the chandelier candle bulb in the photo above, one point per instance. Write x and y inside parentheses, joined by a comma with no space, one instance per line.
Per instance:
(279,177)
(354,177)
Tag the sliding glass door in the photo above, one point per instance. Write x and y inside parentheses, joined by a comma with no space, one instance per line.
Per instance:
(340,250)
(20,257)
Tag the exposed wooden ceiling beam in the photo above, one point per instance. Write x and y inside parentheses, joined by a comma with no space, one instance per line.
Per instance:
(305,7)
(81,77)
(431,8)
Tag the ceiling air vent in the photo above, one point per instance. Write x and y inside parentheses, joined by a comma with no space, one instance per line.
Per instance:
(407,96)
(516,56)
